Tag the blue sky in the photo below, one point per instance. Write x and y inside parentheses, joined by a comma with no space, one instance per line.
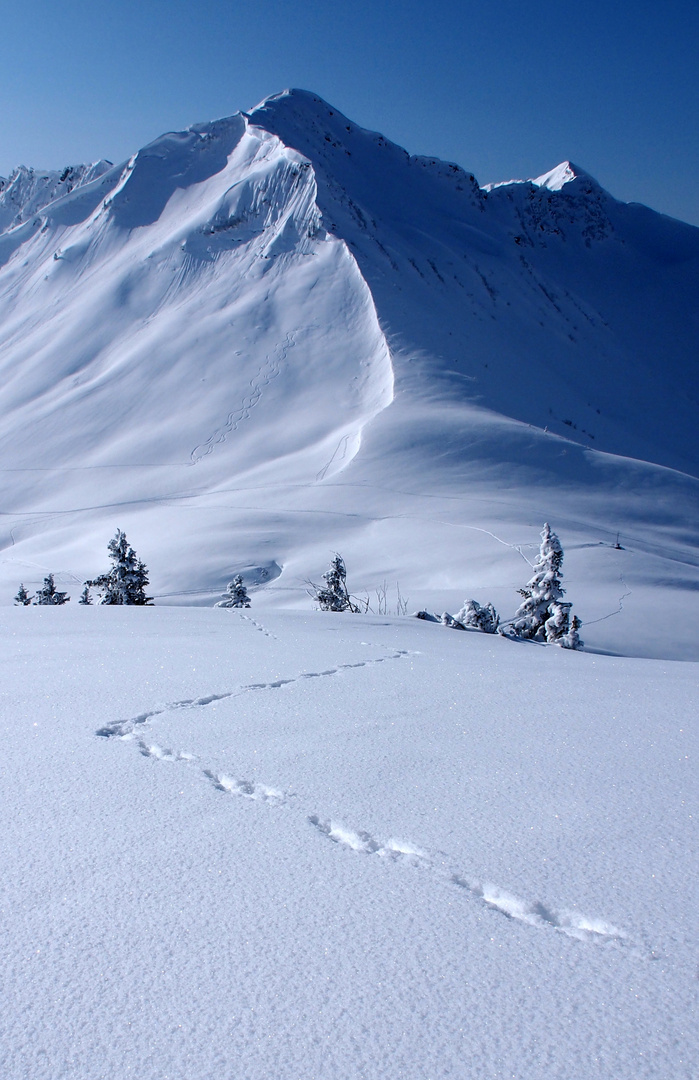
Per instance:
(507,89)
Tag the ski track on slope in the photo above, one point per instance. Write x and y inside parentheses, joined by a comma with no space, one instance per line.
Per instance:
(340,453)
(617,611)
(534,913)
(268,370)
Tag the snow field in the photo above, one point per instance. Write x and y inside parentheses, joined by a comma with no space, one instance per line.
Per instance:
(334,845)
(282,844)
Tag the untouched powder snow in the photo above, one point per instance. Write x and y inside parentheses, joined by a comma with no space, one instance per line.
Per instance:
(277,336)
(335,846)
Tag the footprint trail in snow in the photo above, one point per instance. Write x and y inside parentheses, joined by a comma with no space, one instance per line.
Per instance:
(533,913)
(121,728)
(537,914)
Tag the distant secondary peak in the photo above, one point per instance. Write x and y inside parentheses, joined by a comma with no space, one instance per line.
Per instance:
(561,175)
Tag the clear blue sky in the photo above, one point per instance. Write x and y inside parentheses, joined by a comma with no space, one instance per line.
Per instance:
(507,89)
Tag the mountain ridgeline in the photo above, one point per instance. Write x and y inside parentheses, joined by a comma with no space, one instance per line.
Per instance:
(282,300)
(547,300)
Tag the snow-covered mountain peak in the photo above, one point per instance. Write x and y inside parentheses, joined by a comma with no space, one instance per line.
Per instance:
(27,191)
(563,174)
(291,93)
(304,120)
(566,177)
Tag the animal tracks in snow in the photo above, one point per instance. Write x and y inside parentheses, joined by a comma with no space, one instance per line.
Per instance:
(260,627)
(536,914)
(122,728)
(366,843)
(533,913)
(155,751)
(249,789)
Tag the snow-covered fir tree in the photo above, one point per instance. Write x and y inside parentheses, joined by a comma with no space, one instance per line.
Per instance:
(480,618)
(48,593)
(127,580)
(236,594)
(333,595)
(571,640)
(543,614)
(22,599)
(85,597)
(558,623)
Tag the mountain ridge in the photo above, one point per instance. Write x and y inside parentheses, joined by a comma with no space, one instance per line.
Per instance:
(288,327)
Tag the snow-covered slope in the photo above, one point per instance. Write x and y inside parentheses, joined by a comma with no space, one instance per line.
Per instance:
(547,300)
(278,335)
(336,846)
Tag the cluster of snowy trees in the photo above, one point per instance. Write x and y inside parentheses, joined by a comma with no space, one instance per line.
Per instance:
(332,595)
(124,583)
(47,594)
(543,614)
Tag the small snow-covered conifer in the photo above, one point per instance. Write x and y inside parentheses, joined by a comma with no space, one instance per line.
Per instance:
(481,618)
(571,640)
(543,614)
(48,594)
(236,594)
(126,582)
(22,599)
(333,596)
(85,597)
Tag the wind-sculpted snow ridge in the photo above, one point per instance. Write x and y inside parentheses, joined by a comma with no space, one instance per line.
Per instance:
(185,308)
(536,293)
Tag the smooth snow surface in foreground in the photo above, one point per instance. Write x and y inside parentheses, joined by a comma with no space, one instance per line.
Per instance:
(333,846)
